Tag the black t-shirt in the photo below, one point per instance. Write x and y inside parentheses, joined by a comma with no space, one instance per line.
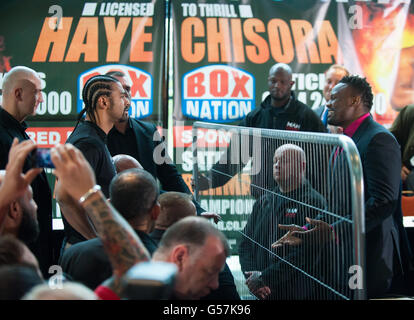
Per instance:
(91,141)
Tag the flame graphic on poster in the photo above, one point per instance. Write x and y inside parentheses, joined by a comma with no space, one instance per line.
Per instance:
(378,44)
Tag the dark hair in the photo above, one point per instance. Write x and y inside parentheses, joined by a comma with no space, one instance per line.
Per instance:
(93,89)
(133,193)
(193,232)
(362,88)
(174,206)
(16,281)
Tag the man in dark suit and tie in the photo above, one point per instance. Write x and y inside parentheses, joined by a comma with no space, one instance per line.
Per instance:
(349,107)
(141,140)
(387,251)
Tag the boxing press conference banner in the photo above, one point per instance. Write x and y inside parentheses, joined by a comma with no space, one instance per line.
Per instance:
(67,42)
(223,51)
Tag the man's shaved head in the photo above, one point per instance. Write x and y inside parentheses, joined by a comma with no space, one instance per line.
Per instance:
(280,67)
(289,165)
(16,76)
(124,162)
(21,92)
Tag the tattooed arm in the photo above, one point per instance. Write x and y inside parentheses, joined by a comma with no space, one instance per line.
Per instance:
(120,242)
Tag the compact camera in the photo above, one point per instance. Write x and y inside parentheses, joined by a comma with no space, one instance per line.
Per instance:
(149,281)
(40,158)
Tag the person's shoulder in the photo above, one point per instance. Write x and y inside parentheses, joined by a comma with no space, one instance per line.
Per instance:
(85,137)
(87,144)
(376,134)
(268,198)
(303,108)
(255,114)
(82,247)
(80,131)
(314,195)
(256,111)
(146,125)
(5,137)
(374,127)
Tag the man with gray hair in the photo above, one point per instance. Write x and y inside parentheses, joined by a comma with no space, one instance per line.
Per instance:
(199,250)
(22,94)
(332,76)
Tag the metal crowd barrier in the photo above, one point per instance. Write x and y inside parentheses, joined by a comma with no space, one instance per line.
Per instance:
(316,175)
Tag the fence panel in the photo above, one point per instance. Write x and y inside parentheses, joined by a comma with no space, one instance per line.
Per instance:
(291,206)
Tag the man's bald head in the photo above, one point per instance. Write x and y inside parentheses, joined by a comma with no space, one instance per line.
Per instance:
(16,76)
(21,92)
(289,165)
(124,162)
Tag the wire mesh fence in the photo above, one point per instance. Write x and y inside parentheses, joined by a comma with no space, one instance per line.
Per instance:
(291,205)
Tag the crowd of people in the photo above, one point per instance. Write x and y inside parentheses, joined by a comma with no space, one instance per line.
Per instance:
(122,208)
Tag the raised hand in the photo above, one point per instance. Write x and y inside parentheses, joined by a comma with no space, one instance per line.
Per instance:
(15,181)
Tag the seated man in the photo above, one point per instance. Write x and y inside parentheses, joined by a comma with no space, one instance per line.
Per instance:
(289,203)
(281,111)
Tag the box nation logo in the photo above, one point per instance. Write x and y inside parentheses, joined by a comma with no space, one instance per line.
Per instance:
(217,93)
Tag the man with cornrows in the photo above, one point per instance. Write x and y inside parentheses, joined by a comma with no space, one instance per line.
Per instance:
(106,102)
